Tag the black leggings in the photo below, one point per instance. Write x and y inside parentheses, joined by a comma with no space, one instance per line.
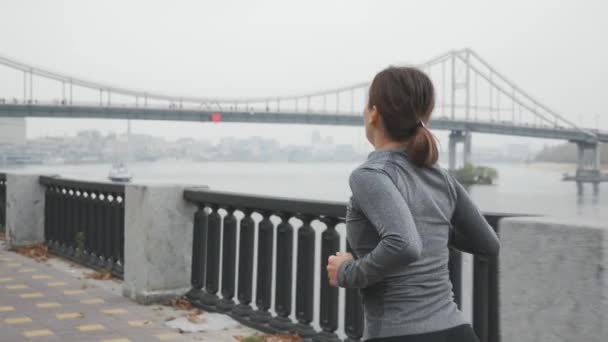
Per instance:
(461,333)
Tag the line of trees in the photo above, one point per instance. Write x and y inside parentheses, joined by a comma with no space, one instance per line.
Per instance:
(566,153)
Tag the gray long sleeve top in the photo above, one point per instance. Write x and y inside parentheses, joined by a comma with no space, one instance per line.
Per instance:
(399,221)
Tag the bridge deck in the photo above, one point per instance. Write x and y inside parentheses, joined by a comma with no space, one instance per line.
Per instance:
(172,114)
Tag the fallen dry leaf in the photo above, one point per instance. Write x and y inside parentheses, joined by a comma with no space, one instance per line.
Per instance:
(101,275)
(38,252)
(180,304)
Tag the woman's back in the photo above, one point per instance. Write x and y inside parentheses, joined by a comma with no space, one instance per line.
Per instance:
(408,211)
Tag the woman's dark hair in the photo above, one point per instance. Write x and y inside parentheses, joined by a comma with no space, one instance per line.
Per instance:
(405,98)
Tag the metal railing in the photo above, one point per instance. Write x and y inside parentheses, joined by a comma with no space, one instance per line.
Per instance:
(84,222)
(2,202)
(246,244)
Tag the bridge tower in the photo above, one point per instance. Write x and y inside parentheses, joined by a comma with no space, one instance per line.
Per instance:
(455,138)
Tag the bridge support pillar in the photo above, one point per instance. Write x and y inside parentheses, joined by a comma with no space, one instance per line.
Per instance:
(596,188)
(467,148)
(588,166)
(455,138)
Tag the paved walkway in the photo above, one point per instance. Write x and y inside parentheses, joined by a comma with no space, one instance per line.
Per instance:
(53,301)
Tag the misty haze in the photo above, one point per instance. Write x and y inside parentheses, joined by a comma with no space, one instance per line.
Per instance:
(266,100)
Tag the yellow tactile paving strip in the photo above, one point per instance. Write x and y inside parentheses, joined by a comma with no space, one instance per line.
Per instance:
(40,303)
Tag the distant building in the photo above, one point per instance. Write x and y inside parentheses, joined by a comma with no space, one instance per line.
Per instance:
(315,137)
(12,131)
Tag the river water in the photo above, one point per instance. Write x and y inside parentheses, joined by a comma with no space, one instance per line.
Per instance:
(521,188)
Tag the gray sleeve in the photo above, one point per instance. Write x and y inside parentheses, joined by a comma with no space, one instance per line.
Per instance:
(384,206)
(471,233)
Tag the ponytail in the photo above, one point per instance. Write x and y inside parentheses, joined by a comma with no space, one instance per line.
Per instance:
(422,147)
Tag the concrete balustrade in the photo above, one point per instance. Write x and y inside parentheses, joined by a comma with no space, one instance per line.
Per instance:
(553,281)
(24,210)
(158,242)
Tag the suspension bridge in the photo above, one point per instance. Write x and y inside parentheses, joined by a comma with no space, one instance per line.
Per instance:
(472,97)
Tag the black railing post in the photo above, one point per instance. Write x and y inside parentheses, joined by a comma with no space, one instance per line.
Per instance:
(264,277)
(305,278)
(108,232)
(63,199)
(284,274)
(118,230)
(228,262)
(79,223)
(93,228)
(455,267)
(55,198)
(199,252)
(493,296)
(2,202)
(246,247)
(121,236)
(49,211)
(101,229)
(212,269)
(353,313)
(70,222)
(328,317)
(480,297)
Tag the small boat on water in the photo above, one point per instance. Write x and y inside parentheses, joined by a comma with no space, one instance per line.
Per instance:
(119,173)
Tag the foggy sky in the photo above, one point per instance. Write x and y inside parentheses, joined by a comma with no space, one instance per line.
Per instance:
(556,50)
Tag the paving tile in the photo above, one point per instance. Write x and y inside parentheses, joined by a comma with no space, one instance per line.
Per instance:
(17,320)
(37,333)
(90,327)
(57,284)
(91,301)
(40,276)
(69,315)
(73,292)
(46,305)
(32,295)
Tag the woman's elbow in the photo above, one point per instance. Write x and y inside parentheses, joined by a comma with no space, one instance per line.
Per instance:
(494,247)
(409,252)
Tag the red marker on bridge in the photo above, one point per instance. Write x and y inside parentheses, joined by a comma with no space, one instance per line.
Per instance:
(216,117)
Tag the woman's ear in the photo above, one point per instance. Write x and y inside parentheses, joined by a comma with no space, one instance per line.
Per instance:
(374,116)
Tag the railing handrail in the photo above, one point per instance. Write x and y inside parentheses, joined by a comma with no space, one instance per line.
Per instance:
(287,204)
(87,185)
(270,203)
